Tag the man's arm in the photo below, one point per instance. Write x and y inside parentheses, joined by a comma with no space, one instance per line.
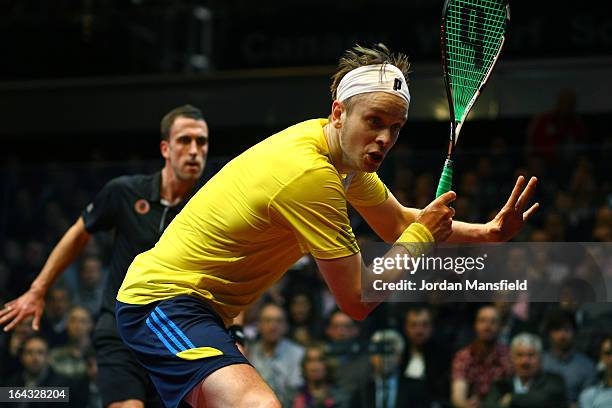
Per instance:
(391,218)
(498,396)
(459,394)
(343,275)
(32,302)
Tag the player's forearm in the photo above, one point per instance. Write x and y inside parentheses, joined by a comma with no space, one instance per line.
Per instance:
(459,394)
(462,231)
(393,273)
(469,232)
(408,216)
(64,253)
(415,241)
(368,278)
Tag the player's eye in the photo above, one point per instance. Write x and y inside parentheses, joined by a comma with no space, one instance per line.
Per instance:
(375,121)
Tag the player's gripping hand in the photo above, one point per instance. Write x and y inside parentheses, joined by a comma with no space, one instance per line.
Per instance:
(31,303)
(437,217)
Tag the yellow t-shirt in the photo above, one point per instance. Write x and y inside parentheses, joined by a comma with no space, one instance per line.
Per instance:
(240,233)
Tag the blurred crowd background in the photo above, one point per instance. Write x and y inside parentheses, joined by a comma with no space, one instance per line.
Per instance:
(110,69)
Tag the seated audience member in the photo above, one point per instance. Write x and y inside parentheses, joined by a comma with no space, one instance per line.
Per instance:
(529,387)
(277,359)
(91,285)
(303,327)
(69,360)
(483,361)
(53,321)
(9,359)
(554,135)
(94,399)
(319,390)
(426,361)
(600,395)
(576,368)
(346,351)
(513,318)
(37,373)
(385,387)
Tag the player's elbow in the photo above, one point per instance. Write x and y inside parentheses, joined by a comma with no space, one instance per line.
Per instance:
(354,310)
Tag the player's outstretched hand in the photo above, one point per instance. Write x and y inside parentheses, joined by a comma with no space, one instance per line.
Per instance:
(438,216)
(511,218)
(31,303)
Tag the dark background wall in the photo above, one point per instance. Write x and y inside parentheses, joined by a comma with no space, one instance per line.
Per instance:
(83,78)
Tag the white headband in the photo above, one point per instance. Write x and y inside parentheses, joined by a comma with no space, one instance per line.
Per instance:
(373,78)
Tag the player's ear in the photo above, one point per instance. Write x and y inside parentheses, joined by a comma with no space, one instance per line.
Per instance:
(164,148)
(337,116)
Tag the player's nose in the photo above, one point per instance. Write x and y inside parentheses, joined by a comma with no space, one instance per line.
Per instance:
(193,147)
(384,138)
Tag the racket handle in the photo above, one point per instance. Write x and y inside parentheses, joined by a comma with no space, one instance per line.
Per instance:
(446,179)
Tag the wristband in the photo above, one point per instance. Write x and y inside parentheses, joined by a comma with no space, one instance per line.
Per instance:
(236,332)
(417,239)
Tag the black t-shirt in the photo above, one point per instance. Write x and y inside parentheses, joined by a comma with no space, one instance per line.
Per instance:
(130,206)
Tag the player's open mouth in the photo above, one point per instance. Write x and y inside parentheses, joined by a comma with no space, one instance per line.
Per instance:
(376,157)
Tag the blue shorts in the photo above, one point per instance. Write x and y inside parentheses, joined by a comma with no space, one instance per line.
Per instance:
(179,341)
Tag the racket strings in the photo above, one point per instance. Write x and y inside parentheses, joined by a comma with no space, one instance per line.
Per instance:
(474,33)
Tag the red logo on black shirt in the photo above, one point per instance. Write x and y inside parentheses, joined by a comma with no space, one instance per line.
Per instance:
(142,206)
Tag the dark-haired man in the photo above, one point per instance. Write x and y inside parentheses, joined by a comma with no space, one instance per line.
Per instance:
(36,372)
(138,208)
(426,360)
(485,360)
(577,369)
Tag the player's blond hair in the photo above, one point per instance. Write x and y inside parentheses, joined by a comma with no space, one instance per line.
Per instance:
(359,56)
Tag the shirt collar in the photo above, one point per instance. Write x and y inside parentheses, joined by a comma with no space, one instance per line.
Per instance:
(155,187)
(519,388)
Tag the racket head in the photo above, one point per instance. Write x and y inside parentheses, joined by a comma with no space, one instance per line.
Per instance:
(472,35)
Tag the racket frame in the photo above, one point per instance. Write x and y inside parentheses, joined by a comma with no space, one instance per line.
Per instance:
(455,126)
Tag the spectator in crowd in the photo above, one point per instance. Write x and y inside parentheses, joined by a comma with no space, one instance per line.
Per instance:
(529,387)
(319,390)
(426,361)
(553,135)
(600,395)
(9,360)
(276,358)
(562,358)
(483,361)
(555,226)
(346,351)
(33,259)
(385,386)
(53,322)
(602,230)
(91,284)
(512,319)
(37,373)
(303,327)
(69,360)
(94,399)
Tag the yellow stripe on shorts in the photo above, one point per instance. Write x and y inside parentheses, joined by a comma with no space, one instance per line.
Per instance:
(198,353)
